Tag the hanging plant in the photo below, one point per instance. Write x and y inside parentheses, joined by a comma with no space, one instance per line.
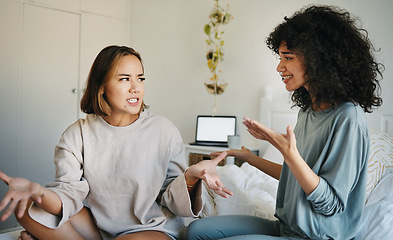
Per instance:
(213,29)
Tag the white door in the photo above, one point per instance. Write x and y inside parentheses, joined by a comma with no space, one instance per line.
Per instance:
(9,27)
(48,88)
(39,85)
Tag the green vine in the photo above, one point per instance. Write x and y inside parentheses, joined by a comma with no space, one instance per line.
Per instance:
(218,17)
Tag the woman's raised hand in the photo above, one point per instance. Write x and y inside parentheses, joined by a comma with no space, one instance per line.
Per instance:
(206,170)
(20,192)
(285,143)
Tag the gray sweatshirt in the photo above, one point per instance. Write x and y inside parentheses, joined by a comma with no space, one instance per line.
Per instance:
(129,176)
(335,144)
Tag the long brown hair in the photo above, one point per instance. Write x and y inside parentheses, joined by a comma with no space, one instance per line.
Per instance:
(104,66)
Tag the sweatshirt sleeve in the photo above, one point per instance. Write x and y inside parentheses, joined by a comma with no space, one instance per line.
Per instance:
(341,172)
(177,199)
(69,184)
(176,196)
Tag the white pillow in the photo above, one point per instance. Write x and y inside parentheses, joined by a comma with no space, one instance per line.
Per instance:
(380,158)
(377,219)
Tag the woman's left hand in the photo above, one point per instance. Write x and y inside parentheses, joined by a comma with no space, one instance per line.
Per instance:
(206,170)
(285,143)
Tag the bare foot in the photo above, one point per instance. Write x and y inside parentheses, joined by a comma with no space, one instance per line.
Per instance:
(24,235)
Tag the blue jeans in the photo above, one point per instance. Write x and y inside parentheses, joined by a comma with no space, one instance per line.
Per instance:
(234,227)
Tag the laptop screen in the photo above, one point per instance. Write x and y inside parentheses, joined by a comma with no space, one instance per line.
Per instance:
(215,128)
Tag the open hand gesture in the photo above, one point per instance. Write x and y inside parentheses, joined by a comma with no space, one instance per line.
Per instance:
(285,143)
(243,153)
(206,170)
(20,192)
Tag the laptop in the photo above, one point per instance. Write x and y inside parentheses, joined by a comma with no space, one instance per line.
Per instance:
(214,130)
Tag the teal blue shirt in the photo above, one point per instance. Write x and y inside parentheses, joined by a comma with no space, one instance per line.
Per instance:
(335,144)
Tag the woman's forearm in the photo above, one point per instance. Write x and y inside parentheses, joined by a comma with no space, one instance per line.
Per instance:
(307,179)
(51,202)
(270,168)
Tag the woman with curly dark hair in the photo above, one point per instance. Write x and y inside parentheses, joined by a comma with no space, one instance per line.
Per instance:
(326,61)
(336,54)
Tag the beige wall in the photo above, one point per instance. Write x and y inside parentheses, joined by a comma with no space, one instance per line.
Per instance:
(169,35)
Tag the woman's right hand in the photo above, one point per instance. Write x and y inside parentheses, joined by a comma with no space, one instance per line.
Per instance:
(20,192)
(243,153)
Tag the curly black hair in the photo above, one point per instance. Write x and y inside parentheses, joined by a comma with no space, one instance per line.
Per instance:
(337,54)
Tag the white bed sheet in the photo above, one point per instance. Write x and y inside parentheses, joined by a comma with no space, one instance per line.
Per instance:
(254,193)
(12,235)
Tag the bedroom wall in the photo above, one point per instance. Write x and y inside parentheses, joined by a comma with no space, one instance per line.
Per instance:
(169,35)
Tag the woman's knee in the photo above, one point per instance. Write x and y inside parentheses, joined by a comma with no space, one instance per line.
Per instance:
(212,228)
(225,226)
(145,235)
(65,231)
(83,223)
(199,229)
(193,229)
